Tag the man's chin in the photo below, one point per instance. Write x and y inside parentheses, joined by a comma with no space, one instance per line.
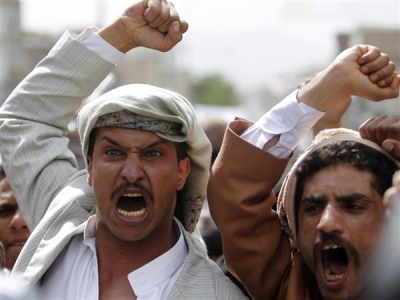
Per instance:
(348,291)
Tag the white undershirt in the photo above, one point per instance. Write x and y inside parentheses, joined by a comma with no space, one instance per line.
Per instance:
(74,273)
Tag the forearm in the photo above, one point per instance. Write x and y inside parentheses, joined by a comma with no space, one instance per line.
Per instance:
(34,120)
(325,90)
(53,91)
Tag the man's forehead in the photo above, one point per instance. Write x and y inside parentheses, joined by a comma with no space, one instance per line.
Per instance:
(340,170)
(339,179)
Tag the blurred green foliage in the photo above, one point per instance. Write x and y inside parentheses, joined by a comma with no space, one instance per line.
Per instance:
(213,89)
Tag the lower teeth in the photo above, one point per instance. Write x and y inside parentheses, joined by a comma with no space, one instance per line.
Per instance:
(332,277)
(132,213)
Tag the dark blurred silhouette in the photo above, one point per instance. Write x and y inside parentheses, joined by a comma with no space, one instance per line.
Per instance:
(214,129)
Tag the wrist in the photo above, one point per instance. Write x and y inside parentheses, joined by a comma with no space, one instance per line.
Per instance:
(115,34)
(325,90)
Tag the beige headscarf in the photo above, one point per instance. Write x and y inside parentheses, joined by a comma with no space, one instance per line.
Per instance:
(159,104)
(285,204)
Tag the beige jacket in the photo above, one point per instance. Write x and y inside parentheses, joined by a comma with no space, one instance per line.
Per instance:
(256,249)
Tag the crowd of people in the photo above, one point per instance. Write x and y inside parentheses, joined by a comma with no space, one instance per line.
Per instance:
(126,226)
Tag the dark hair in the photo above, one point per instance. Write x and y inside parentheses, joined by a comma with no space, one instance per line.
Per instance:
(92,139)
(349,153)
(2,172)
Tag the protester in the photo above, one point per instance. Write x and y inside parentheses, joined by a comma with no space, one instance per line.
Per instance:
(13,229)
(147,169)
(385,269)
(214,128)
(291,255)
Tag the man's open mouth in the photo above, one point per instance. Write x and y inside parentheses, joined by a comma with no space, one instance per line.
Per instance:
(334,262)
(131,205)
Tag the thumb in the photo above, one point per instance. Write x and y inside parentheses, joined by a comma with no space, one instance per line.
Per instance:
(392,147)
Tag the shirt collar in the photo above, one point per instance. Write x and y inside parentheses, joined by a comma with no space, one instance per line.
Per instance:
(153,272)
(161,268)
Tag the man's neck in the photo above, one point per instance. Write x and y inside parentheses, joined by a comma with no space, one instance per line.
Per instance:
(116,259)
(122,257)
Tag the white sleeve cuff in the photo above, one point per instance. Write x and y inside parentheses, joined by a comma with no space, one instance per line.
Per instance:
(94,42)
(289,119)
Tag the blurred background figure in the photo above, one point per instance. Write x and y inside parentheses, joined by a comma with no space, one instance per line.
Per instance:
(214,129)
(13,230)
(385,271)
(212,238)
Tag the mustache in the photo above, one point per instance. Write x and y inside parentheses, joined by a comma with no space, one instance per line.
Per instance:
(337,239)
(123,186)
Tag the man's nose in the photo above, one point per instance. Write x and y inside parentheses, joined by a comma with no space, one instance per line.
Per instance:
(18,222)
(331,221)
(132,170)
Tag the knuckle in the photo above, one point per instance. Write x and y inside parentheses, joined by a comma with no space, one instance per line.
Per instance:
(385,57)
(392,65)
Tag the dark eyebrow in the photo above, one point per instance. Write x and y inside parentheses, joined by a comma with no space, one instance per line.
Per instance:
(344,199)
(312,199)
(111,141)
(149,146)
(354,197)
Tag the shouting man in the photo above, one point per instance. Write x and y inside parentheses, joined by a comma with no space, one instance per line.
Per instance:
(123,228)
(330,211)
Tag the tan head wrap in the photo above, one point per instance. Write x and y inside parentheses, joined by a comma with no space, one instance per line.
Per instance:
(167,114)
(285,204)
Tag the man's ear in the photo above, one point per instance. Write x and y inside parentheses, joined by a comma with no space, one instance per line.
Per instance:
(89,165)
(183,173)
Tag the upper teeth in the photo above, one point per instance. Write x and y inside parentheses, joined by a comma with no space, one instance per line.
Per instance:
(327,247)
(132,195)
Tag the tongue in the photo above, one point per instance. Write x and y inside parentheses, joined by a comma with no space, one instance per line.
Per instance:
(337,267)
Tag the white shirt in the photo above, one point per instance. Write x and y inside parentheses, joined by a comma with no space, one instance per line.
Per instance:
(74,273)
